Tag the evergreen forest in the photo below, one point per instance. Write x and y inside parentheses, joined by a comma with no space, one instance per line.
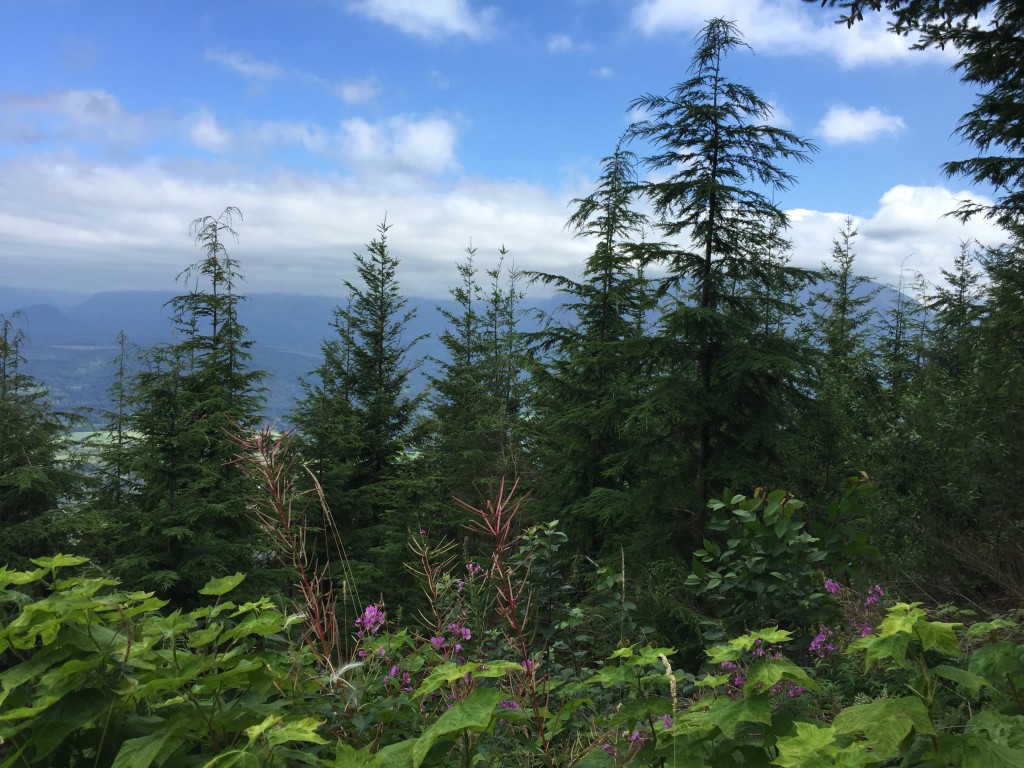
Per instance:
(718,510)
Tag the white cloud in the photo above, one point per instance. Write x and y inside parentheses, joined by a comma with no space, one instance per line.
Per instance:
(75,115)
(89,226)
(85,226)
(430,19)
(784,26)
(604,72)
(844,125)
(205,132)
(400,144)
(357,91)
(244,64)
(909,227)
(276,132)
(565,44)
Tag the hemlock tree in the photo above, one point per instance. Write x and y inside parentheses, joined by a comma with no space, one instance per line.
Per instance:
(191,400)
(593,371)
(710,137)
(37,467)
(475,431)
(360,455)
(846,382)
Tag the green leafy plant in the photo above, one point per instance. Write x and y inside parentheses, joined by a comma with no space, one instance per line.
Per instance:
(763,568)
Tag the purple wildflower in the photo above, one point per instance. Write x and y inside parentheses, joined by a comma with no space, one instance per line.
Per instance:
(875,594)
(832,587)
(821,646)
(372,620)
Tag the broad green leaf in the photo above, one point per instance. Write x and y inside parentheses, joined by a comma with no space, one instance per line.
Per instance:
(805,748)
(972,682)
(449,672)
(223,585)
(204,636)
(766,673)
(297,730)
(255,731)
(59,561)
(881,648)
(940,636)
(727,714)
(998,727)
(473,714)
(8,577)
(885,723)
(980,629)
(394,755)
(141,752)
(236,758)
(901,619)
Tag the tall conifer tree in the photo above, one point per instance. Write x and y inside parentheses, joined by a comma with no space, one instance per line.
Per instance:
(710,136)
(191,400)
(37,471)
(355,421)
(593,370)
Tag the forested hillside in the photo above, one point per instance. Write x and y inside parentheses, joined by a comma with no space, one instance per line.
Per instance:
(512,545)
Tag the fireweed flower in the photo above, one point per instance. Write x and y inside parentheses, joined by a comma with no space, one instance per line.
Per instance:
(821,646)
(875,594)
(372,620)
(666,721)
(832,587)
(474,569)
(438,642)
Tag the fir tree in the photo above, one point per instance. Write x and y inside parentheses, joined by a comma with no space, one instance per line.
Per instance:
(728,385)
(190,402)
(840,422)
(361,389)
(37,470)
(475,432)
(593,370)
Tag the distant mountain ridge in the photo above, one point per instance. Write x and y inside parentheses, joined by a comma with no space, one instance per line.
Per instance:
(70,346)
(72,339)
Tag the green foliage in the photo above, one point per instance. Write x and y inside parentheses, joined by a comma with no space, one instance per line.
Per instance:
(95,675)
(355,422)
(728,371)
(38,471)
(476,429)
(92,673)
(176,514)
(764,567)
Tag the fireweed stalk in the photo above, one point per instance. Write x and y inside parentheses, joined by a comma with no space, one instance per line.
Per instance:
(497,523)
(265,458)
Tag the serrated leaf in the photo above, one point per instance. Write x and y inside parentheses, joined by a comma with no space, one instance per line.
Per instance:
(768,672)
(223,585)
(727,714)
(972,682)
(449,672)
(940,636)
(885,723)
(296,730)
(141,752)
(59,561)
(803,750)
(473,714)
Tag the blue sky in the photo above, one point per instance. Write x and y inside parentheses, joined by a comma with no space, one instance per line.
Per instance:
(461,120)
